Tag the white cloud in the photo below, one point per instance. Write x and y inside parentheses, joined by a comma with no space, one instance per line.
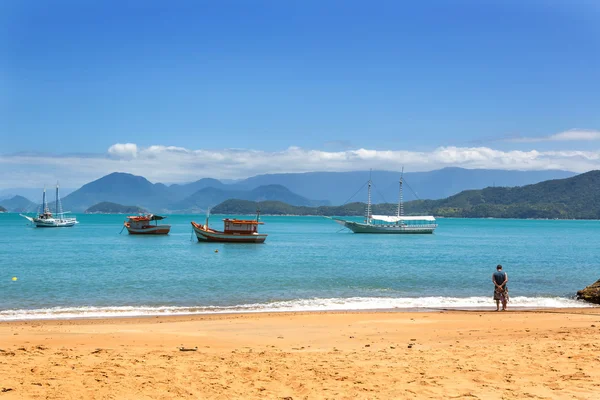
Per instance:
(571,135)
(176,164)
(123,150)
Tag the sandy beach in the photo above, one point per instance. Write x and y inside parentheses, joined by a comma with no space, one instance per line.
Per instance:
(551,354)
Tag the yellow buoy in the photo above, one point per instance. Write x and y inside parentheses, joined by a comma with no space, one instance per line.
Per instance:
(14,278)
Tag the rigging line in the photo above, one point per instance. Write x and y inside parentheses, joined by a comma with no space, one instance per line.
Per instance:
(362,187)
(411,189)
(380,194)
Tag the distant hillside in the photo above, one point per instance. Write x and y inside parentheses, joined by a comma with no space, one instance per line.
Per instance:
(296,189)
(112,208)
(121,188)
(18,204)
(2,209)
(577,197)
(338,187)
(246,207)
(118,188)
(180,192)
(572,198)
(210,196)
(32,194)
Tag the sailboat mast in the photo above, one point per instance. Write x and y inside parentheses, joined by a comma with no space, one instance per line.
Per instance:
(400,201)
(368,216)
(44,205)
(56,204)
(400,211)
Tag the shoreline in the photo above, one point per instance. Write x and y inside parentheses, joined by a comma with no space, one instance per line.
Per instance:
(143,319)
(342,355)
(233,313)
(202,214)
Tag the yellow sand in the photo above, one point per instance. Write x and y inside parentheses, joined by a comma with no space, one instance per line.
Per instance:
(365,355)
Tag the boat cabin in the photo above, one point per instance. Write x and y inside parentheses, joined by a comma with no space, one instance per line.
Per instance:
(143,221)
(241,226)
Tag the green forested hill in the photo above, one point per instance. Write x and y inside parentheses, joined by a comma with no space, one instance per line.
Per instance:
(577,197)
(2,209)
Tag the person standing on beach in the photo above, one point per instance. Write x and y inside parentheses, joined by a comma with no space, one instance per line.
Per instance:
(500,279)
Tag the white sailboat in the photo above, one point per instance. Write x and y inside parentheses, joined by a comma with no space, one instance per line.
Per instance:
(46,219)
(398,223)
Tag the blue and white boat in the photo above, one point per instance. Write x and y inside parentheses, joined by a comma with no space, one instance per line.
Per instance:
(398,223)
(46,219)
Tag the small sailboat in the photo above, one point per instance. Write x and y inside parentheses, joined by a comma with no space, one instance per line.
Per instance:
(399,223)
(142,225)
(46,219)
(235,231)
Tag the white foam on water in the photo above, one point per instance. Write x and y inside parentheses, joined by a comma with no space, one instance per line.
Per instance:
(333,304)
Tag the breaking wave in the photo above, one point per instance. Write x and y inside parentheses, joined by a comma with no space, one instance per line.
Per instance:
(315,304)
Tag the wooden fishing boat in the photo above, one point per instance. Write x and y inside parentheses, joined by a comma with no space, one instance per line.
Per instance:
(142,225)
(235,231)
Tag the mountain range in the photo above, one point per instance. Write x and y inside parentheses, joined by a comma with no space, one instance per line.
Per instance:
(341,187)
(299,189)
(32,194)
(125,188)
(19,204)
(577,197)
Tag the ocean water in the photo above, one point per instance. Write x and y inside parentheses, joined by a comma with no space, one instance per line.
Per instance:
(307,263)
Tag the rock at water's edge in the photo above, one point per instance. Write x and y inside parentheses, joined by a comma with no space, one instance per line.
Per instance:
(590,293)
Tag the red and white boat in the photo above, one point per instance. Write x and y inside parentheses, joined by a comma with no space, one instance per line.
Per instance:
(235,231)
(142,225)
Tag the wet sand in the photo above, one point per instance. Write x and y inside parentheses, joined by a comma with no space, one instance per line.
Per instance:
(552,354)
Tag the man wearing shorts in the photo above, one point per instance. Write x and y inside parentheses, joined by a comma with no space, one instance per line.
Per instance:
(500,278)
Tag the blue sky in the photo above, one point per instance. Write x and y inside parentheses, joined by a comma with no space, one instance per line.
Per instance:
(88,87)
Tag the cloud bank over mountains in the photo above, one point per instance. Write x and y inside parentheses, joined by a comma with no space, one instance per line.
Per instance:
(572,135)
(171,164)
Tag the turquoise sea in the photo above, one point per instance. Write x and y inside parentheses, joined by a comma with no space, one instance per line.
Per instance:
(307,263)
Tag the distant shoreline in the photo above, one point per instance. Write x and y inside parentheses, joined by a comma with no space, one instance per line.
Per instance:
(320,216)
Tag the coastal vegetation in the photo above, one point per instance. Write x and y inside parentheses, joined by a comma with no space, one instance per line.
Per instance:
(107,207)
(572,198)
(2,209)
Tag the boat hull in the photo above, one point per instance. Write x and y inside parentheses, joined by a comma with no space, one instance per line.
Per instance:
(210,235)
(54,223)
(149,230)
(358,227)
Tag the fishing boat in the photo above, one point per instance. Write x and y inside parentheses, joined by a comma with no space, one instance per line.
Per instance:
(46,219)
(399,223)
(234,231)
(142,225)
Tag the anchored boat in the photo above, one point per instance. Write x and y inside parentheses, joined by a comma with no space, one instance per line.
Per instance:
(398,223)
(46,219)
(142,225)
(234,231)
